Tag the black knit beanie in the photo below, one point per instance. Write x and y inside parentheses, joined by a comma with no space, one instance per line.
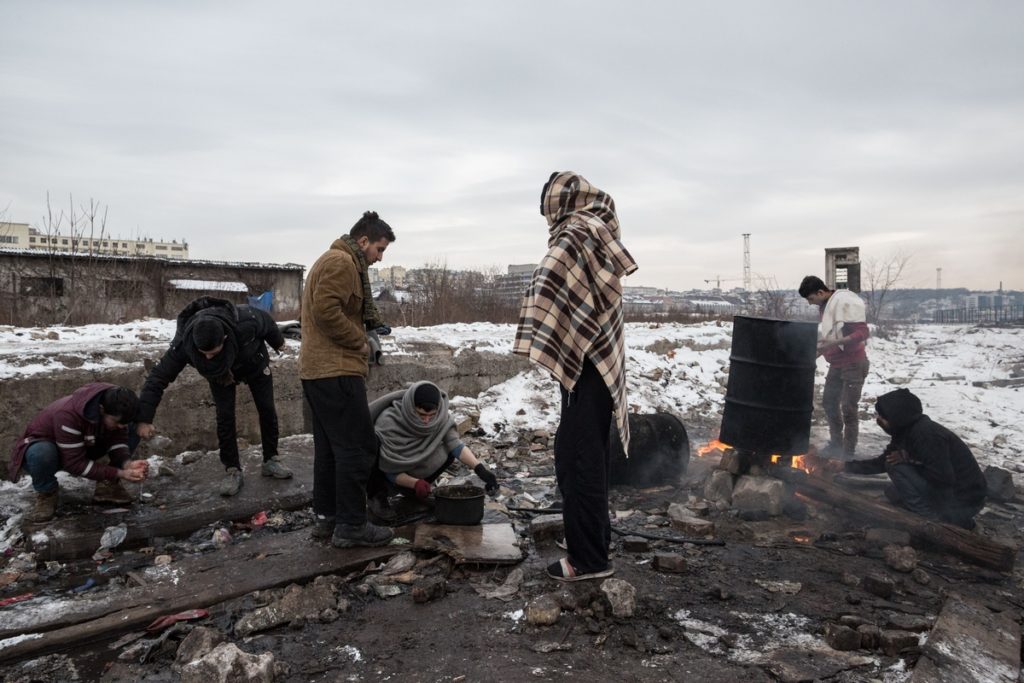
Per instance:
(427,396)
(207,334)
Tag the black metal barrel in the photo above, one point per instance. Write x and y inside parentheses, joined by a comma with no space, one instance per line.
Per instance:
(770,395)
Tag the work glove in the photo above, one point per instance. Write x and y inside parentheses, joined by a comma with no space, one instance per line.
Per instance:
(383,330)
(422,488)
(490,481)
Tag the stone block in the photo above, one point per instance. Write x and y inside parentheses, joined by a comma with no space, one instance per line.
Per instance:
(759,494)
(543,610)
(670,562)
(635,544)
(730,462)
(621,595)
(1000,484)
(718,487)
(841,637)
(226,663)
(870,636)
(902,558)
(878,584)
(893,642)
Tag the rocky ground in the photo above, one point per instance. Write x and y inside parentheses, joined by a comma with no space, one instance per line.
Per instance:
(809,594)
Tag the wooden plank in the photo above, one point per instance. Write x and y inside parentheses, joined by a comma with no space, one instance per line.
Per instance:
(181,505)
(946,537)
(969,642)
(190,584)
(479,544)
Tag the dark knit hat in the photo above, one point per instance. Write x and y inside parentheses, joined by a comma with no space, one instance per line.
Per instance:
(427,396)
(207,333)
(900,407)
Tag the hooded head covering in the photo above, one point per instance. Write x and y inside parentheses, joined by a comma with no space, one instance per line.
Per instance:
(900,408)
(427,396)
(406,443)
(573,309)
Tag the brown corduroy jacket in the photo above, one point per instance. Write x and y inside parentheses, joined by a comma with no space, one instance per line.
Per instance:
(333,336)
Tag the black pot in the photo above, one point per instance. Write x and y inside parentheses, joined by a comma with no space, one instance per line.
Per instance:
(460,505)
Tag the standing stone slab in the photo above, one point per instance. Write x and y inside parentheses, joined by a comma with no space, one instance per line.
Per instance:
(759,494)
(970,643)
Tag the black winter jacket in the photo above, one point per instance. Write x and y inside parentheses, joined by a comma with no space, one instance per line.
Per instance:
(249,330)
(939,455)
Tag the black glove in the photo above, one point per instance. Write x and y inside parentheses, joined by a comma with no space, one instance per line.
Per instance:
(490,481)
(383,330)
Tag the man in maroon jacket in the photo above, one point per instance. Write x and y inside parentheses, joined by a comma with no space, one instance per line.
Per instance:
(73,434)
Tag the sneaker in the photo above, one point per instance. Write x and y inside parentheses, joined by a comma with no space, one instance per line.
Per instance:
(274,468)
(367,534)
(45,507)
(563,571)
(232,482)
(323,527)
(111,491)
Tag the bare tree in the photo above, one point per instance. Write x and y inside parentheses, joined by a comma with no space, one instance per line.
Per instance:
(771,301)
(880,277)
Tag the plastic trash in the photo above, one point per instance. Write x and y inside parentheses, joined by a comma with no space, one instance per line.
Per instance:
(113,536)
(164,622)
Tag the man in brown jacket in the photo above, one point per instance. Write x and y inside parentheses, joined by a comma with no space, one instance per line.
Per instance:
(336,308)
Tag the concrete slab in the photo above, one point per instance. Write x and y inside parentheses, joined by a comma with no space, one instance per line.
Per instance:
(179,505)
(480,544)
(970,643)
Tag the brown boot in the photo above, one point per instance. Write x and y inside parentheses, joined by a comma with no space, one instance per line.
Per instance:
(45,507)
(111,491)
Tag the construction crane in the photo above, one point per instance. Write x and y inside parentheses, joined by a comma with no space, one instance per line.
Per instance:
(719,280)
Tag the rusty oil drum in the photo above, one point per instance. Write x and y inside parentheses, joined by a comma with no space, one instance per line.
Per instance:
(770,395)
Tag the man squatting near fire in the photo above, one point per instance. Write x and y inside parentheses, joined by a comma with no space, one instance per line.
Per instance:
(571,324)
(337,311)
(417,441)
(80,434)
(842,336)
(227,344)
(933,472)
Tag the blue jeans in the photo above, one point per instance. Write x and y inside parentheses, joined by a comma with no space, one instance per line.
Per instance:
(42,461)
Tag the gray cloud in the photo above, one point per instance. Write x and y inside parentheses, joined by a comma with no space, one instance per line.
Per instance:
(260,132)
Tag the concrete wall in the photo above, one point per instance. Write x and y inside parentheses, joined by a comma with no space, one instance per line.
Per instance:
(101,289)
(186,414)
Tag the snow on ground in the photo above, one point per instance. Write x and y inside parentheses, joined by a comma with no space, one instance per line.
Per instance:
(671,367)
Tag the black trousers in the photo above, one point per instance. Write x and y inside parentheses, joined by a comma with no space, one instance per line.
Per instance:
(261,386)
(344,447)
(582,464)
(913,492)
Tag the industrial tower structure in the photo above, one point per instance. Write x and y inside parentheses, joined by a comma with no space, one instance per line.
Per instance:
(746,261)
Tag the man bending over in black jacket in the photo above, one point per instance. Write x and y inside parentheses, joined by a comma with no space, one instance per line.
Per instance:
(227,344)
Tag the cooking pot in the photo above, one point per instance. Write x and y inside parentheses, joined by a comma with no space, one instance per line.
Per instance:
(462,505)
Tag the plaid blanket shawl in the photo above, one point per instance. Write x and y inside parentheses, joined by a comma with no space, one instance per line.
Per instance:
(573,308)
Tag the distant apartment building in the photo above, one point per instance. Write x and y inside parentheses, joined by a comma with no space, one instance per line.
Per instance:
(513,284)
(23,236)
(391,278)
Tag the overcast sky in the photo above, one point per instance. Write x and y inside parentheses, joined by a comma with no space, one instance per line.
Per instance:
(261,131)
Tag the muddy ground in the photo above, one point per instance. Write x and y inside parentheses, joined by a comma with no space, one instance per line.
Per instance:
(755,608)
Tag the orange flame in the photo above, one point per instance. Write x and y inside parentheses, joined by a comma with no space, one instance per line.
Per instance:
(799,462)
(713,445)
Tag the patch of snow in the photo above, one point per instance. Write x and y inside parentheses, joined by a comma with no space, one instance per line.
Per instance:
(209,285)
(351,652)
(14,640)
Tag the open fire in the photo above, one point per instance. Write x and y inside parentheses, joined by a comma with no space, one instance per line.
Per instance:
(806,462)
